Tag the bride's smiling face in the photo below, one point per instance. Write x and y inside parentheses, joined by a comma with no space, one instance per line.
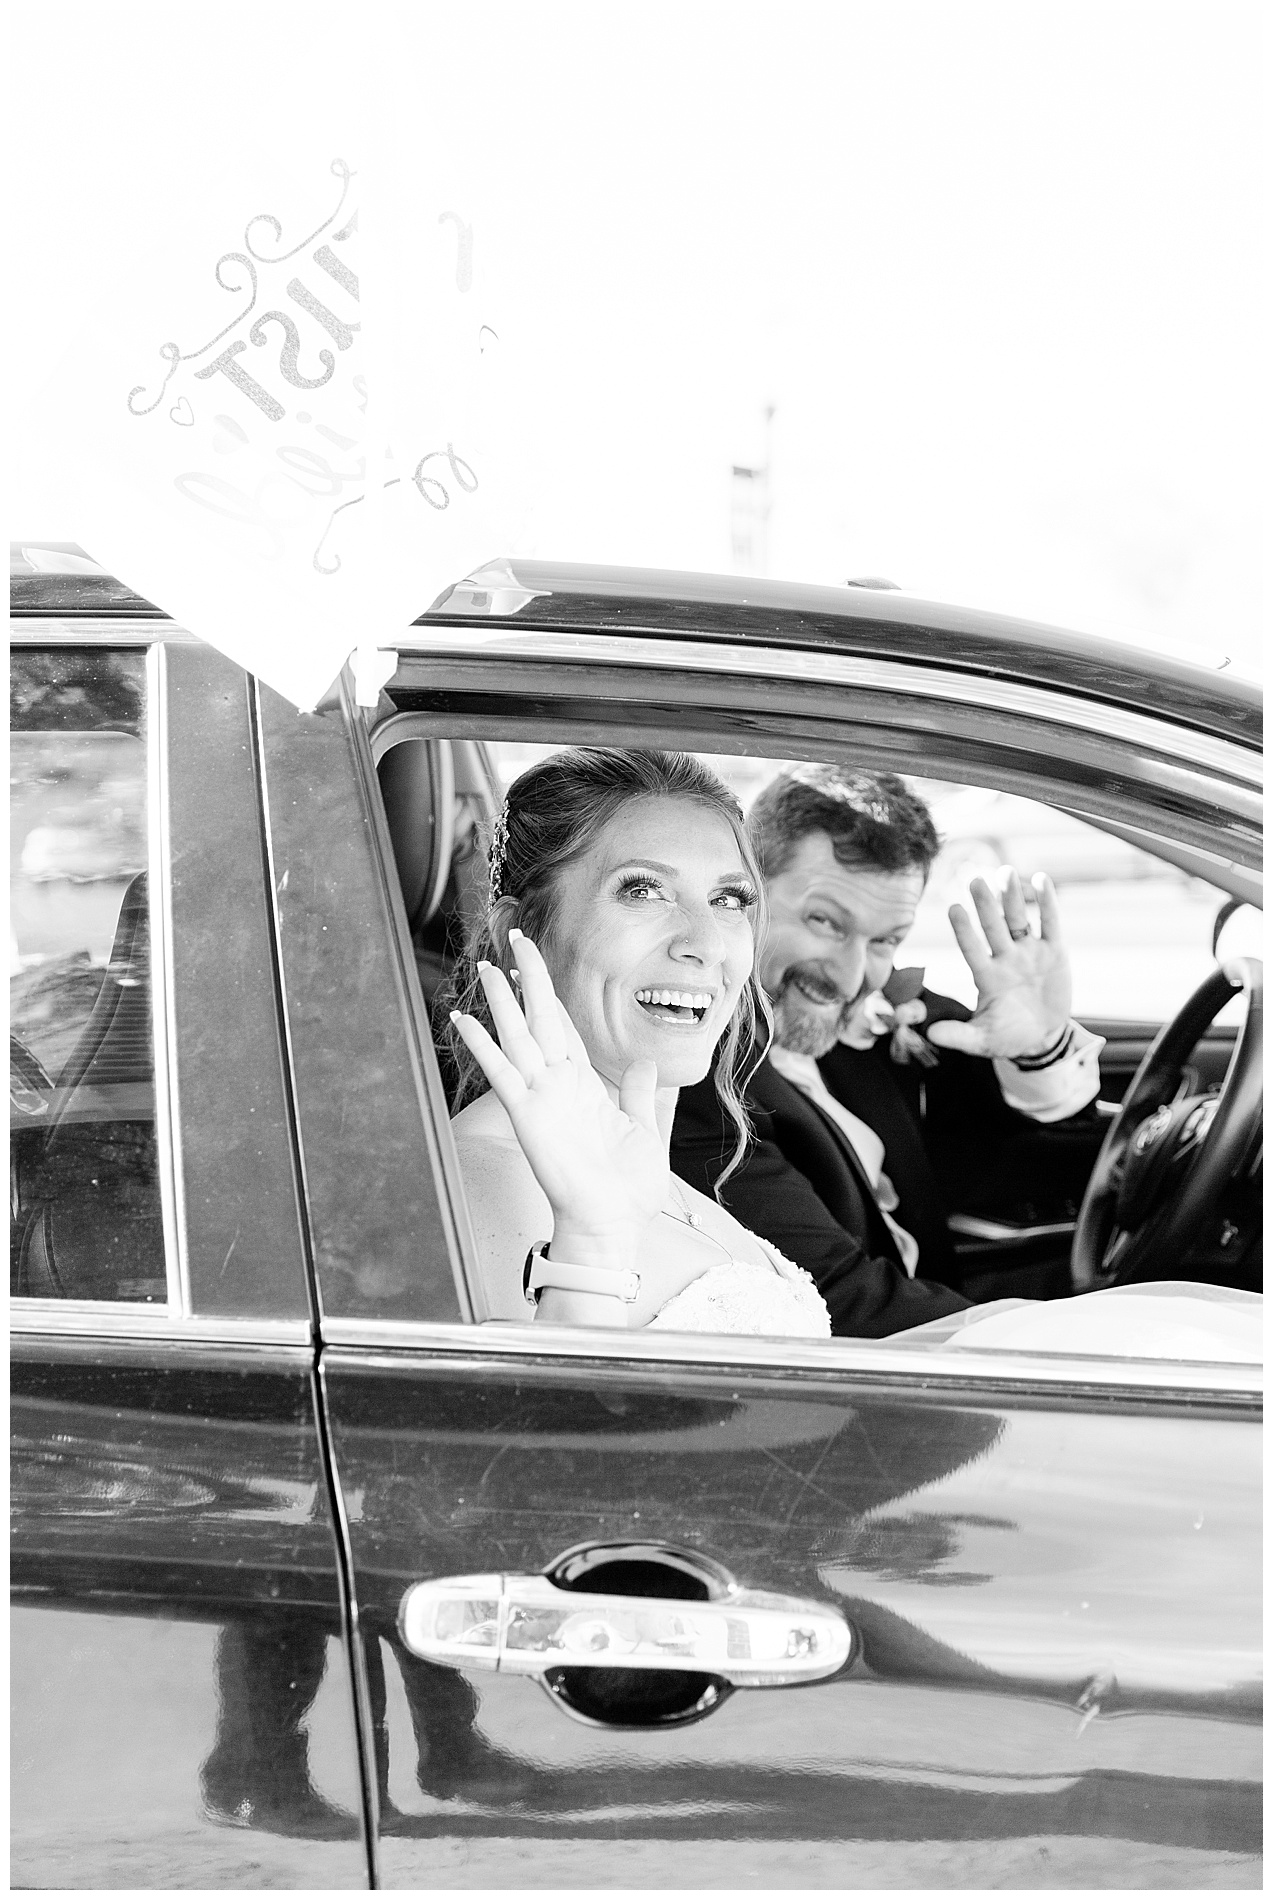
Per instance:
(652,938)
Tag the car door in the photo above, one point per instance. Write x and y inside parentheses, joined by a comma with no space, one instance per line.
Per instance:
(1040,1570)
(182,1704)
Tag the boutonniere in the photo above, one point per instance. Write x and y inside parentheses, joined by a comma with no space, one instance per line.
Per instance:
(906,1043)
(877,1016)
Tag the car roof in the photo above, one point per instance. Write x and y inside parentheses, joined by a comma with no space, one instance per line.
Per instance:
(870,621)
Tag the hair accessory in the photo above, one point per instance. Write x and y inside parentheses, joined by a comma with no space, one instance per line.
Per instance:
(496,854)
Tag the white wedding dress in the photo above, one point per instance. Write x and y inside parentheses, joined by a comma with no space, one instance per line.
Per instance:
(748,1296)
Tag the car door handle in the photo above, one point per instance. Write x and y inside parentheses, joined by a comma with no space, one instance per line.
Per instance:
(525,1626)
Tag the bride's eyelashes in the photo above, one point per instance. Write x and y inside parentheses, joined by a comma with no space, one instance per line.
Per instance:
(641,887)
(634,885)
(739,896)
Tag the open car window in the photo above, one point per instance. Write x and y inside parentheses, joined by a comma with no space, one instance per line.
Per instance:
(1140,930)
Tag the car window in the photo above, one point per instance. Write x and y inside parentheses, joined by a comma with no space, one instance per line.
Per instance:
(1139,929)
(1101,879)
(87,1221)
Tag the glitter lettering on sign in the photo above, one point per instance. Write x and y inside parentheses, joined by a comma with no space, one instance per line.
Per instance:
(461,471)
(334,268)
(334,568)
(172,353)
(290,350)
(340,170)
(318,466)
(231,481)
(342,333)
(226,365)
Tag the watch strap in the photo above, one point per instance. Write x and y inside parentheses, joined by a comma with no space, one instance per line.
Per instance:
(617,1283)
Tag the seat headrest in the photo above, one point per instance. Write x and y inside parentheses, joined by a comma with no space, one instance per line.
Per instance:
(417,783)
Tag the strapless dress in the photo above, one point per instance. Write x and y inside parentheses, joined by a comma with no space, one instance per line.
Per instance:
(746,1296)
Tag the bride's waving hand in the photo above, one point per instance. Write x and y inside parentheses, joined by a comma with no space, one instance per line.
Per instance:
(601,1165)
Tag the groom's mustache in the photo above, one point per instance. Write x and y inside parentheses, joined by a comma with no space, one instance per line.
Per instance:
(816,987)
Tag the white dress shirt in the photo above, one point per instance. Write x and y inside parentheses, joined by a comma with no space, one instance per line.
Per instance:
(804,1072)
(1050,1095)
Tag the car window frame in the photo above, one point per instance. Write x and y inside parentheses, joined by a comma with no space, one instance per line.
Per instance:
(484,651)
(406,1131)
(1100,754)
(178,1320)
(32,1313)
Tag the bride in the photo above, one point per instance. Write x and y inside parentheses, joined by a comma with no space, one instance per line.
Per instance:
(614,964)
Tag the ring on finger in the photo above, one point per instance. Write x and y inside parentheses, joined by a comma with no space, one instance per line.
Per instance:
(1018,935)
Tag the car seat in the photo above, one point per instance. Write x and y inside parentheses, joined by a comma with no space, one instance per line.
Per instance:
(440,798)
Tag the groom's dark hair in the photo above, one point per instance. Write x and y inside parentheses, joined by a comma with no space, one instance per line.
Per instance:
(873,819)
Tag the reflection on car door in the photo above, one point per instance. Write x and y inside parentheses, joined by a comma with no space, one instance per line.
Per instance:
(1056,1675)
(182,1711)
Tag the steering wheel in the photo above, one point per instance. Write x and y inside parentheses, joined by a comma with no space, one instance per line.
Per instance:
(1167,1158)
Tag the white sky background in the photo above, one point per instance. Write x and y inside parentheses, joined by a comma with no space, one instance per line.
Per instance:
(997,266)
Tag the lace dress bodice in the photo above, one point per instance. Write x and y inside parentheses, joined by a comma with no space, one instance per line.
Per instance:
(748,1296)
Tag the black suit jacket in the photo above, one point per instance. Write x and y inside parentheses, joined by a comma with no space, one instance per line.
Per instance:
(951,1142)
(802,1188)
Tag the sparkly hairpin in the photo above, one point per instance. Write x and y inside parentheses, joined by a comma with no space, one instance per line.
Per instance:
(496,853)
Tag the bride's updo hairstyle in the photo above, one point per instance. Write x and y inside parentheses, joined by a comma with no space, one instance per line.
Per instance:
(553,814)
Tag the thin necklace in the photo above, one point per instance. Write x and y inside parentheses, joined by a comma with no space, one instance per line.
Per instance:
(685,1213)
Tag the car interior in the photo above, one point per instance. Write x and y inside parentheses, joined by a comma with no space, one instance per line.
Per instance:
(440,799)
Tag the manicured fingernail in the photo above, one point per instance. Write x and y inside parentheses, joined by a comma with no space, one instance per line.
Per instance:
(482,964)
(455,1016)
(513,933)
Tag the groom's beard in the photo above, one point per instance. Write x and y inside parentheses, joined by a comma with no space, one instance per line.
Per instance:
(810,1011)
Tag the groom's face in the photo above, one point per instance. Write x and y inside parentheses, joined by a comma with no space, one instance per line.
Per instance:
(834,930)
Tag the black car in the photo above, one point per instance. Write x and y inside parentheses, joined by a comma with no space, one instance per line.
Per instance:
(320,1578)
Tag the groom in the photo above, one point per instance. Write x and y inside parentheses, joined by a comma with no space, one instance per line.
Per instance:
(882,1105)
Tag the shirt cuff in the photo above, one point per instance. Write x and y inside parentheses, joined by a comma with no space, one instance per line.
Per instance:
(1062,1089)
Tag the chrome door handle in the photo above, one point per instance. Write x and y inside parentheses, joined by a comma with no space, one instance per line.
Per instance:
(525,1625)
